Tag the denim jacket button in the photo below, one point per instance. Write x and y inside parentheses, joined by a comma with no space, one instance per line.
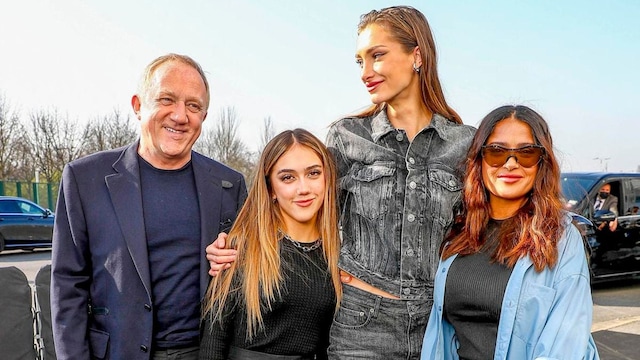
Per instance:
(412,160)
(406,291)
(412,185)
(411,218)
(399,136)
(410,252)
(452,183)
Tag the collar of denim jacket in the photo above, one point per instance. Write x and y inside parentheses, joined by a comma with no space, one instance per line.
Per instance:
(380,125)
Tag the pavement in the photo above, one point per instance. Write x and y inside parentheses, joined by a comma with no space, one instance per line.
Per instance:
(616,326)
(618,339)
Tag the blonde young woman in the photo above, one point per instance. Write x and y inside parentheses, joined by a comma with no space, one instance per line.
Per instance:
(279,296)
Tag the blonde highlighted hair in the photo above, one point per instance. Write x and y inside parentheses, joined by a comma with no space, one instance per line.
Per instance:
(255,278)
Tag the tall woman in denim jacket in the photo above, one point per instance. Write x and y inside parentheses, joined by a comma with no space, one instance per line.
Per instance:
(513,282)
(400,166)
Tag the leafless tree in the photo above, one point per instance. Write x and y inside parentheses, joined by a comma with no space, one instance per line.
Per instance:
(268,132)
(54,141)
(11,132)
(222,143)
(108,132)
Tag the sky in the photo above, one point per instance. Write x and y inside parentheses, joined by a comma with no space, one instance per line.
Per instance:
(575,62)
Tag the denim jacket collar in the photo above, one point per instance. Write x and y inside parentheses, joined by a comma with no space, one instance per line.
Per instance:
(380,126)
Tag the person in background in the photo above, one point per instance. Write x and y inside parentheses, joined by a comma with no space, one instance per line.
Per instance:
(128,260)
(606,201)
(400,165)
(513,280)
(278,298)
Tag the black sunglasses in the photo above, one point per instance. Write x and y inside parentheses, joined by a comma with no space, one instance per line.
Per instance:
(526,156)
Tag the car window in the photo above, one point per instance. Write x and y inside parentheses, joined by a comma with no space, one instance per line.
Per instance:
(9,207)
(575,189)
(633,208)
(27,208)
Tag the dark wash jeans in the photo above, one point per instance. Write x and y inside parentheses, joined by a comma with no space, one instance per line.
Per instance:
(368,326)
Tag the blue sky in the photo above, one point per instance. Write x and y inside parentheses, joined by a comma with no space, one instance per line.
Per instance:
(575,62)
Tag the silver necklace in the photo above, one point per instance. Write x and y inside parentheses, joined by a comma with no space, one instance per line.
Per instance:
(303,246)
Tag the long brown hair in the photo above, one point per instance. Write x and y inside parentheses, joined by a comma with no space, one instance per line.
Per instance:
(537,226)
(255,277)
(410,28)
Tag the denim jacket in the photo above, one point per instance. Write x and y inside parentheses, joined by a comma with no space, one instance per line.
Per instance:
(545,315)
(398,198)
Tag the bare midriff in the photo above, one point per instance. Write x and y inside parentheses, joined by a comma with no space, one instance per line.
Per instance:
(359,284)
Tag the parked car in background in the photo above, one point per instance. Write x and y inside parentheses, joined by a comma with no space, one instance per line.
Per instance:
(612,254)
(24,224)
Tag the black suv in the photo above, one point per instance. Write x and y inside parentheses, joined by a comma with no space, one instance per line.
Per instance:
(24,224)
(612,254)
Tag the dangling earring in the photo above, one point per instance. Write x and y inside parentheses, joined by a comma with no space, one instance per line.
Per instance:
(416,68)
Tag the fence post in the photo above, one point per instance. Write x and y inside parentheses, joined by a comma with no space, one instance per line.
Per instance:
(50,197)
(36,194)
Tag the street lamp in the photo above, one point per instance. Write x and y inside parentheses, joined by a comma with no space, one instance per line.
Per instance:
(602,160)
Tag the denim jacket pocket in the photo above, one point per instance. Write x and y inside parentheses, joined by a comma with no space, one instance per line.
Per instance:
(445,195)
(373,188)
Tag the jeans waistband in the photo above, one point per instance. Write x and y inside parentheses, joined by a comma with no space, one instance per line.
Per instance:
(397,306)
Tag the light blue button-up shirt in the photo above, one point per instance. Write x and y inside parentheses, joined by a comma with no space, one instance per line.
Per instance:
(545,315)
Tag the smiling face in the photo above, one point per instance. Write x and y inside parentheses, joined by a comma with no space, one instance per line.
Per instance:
(171,112)
(298,186)
(508,184)
(386,66)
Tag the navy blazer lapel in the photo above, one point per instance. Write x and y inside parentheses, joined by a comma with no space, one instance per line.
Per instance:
(209,188)
(126,196)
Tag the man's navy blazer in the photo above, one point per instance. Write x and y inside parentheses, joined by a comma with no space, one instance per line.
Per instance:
(101,298)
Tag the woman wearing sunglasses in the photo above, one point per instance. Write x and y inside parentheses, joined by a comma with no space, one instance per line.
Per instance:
(513,281)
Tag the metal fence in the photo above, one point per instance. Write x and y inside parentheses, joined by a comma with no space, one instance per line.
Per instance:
(43,194)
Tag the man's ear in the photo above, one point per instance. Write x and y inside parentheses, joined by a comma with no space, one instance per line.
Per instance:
(135,104)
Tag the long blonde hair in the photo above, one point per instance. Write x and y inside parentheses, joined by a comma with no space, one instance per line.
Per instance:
(255,277)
